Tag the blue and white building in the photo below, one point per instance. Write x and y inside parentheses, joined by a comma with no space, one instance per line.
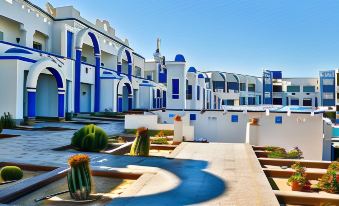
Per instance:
(55,61)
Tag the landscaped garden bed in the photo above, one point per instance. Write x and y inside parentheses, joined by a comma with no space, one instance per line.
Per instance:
(299,182)
(77,185)
(92,138)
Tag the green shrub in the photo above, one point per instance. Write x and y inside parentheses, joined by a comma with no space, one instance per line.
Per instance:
(141,144)
(299,174)
(329,182)
(79,177)
(7,121)
(10,173)
(279,153)
(160,140)
(295,153)
(90,138)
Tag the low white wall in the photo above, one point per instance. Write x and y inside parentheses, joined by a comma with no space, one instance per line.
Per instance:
(300,130)
(148,121)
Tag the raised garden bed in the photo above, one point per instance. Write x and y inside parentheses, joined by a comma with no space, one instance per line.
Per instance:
(107,185)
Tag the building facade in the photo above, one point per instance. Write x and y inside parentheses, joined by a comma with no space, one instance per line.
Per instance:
(56,61)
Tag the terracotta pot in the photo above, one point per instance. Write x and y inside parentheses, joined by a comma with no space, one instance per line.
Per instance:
(254,121)
(296,186)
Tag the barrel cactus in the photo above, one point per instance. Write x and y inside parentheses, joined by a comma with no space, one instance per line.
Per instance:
(90,138)
(10,173)
(141,144)
(79,177)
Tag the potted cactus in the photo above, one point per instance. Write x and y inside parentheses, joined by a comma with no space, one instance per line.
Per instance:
(141,144)
(90,138)
(79,177)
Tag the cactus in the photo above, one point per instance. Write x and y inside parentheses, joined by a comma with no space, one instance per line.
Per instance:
(79,177)
(90,138)
(141,144)
(10,173)
(7,121)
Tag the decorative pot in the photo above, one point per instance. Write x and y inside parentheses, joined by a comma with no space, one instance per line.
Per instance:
(254,121)
(296,186)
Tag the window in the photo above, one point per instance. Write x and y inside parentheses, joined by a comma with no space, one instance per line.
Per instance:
(293,88)
(149,77)
(233,86)
(251,87)
(175,88)
(198,92)
(327,95)
(83,59)
(189,92)
(277,88)
(234,118)
(328,81)
(218,85)
(137,71)
(242,86)
(295,102)
(307,102)
(37,45)
(1,36)
(309,88)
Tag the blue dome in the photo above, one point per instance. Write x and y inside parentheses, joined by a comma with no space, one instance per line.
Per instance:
(179,58)
(201,76)
(192,69)
(18,51)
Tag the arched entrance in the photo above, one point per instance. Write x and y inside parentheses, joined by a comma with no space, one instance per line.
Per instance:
(129,62)
(32,83)
(97,54)
(124,96)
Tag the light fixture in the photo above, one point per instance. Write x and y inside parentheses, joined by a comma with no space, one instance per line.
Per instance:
(312,114)
(267,111)
(288,112)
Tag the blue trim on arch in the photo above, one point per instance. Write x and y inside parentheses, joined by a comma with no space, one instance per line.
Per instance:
(119,68)
(57,76)
(95,43)
(119,104)
(31,104)
(129,69)
(61,105)
(97,85)
(77,74)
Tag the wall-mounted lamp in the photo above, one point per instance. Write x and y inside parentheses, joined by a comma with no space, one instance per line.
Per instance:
(18,40)
(312,114)
(267,112)
(288,113)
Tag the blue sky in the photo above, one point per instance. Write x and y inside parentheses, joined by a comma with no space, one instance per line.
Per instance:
(298,37)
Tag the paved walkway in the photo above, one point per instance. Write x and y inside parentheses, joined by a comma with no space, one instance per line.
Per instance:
(197,173)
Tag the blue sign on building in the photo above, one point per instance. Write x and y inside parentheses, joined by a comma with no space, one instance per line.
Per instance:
(327,87)
(267,87)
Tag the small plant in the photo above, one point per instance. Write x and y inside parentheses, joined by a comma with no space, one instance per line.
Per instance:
(10,173)
(141,144)
(160,140)
(271,148)
(7,121)
(90,138)
(295,153)
(161,134)
(79,177)
(329,182)
(279,153)
(298,179)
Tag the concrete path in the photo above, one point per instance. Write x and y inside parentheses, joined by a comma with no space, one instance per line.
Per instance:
(197,173)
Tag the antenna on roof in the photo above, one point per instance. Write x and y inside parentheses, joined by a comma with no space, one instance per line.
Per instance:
(50,9)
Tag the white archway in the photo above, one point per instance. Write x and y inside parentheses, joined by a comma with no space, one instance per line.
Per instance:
(32,80)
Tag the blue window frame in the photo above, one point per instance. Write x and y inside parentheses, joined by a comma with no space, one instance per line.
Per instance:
(175,88)
(198,92)
(234,118)
(278,119)
(193,117)
(69,44)
(189,92)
